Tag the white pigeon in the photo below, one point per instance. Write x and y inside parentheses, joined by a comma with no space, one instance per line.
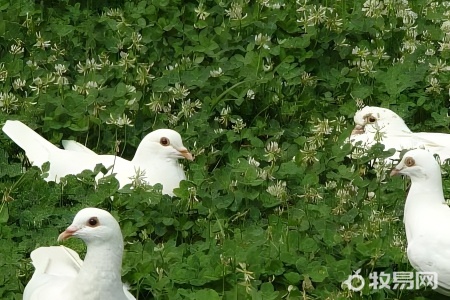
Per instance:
(60,274)
(155,160)
(374,124)
(426,216)
(77,147)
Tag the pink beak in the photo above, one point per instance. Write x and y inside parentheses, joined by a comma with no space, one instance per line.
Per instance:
(67,233)
(186,154)
(395,172)
(359,129)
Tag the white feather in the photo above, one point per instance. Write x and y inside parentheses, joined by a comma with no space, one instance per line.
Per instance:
(426,216)
(75,146)
(376,123)
(60,274)
(157,162)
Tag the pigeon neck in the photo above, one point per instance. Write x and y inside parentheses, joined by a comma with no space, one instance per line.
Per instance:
(427,184)
(425,198)
(425,193)
(102,265)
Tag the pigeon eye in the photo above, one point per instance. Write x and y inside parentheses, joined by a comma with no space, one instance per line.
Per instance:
(372,119)
(93,221)
(409,161)
(164,141)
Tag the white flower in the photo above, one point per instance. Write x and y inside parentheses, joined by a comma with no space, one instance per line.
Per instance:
(311,194)
(272,151)
(374,8)
(61,80)
(130,89)
(380,53)
(60,69)
(235,12)
(409,46)
(438,67)
(341,43)
(173,119)
(179,91)
(434,86)
(81,68)
(445,27)
(18,84)
(125,61)
(317,15)
(250,94)
(139,179)
(171,68)
(308,80)
(253,162)
(267,66)
(409,17)
(114,12)
(268,4)
(40,43)
(136,41)
(262,41)
(91,85)
(277,190)
(365,66)
(430,52)
(3,72)
(322,127)
(330,185)
(28,21)
(90,65)
(224,116)
(444,46)
(8,102)
(16,49)
(143,74)
(40,86)
(188,108)
(156,104)
(104,60)
(363,52)
(216,73)
(308,154)
(119,121)
(238,125)
(202,14)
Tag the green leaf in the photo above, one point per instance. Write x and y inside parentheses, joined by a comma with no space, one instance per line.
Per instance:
(205,294)
(4,214)
(292,278)
(318,273)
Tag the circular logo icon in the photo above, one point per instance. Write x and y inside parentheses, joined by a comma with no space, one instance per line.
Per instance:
(358,279)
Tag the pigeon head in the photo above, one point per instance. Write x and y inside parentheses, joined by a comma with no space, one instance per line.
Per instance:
(418,164)
(372,119)
(165,143)
(93,225)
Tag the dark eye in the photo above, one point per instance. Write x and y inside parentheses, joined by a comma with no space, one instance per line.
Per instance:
(372,119)
(164,141)
(409,161)
(93,221)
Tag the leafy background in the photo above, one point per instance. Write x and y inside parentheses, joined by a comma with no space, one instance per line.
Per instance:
(263,93)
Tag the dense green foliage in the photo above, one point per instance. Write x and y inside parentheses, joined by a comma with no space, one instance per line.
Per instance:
(263,93)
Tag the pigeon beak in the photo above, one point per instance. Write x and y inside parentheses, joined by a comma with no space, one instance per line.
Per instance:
(186,154)
(69,232)
(395,172)
(359,129)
